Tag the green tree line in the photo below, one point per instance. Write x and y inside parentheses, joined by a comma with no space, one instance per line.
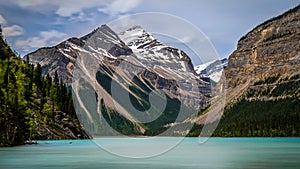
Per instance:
(258,118)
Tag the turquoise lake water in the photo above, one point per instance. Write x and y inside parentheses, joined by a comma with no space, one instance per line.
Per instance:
(216,153)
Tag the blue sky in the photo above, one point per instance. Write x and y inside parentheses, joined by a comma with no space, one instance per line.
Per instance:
(31,24)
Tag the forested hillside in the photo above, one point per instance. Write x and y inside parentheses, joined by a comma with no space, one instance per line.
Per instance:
(31,106)
(258,118)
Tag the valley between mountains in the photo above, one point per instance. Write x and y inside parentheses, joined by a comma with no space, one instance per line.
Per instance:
(130,83)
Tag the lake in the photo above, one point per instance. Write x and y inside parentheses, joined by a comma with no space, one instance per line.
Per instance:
(216,153)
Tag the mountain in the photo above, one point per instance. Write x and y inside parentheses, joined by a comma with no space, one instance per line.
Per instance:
(212,69)
(110,66)
(269,51)
(61,58)
(154,54)
(263,81)
(167,62)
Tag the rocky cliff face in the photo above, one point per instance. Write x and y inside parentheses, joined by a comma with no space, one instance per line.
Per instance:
(272,49)
(61,128)
(263,82)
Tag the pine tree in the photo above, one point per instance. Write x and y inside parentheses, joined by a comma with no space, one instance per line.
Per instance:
(56,79)
(38,76)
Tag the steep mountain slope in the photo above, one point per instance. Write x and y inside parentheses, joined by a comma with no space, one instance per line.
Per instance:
(212,69)
(263,81)
(132,63)
(270,50)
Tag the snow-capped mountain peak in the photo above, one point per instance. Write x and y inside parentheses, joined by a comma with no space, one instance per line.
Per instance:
(152,52)
(212,69)
(203,66)
(137,38)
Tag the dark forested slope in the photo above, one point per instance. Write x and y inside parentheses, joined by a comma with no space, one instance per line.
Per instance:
(31,106)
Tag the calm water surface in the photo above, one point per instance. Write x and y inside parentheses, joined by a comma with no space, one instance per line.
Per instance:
(216,153)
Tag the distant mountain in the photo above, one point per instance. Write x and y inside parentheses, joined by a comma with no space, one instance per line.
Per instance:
(212,69)
(136,63)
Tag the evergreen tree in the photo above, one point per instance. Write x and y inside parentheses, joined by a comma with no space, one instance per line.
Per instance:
(56,79)
(37,76)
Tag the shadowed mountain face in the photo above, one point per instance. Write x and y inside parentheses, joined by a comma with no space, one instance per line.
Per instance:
(139,84)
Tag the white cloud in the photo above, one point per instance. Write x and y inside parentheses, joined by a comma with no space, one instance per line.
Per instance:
(62,8)
(119,6)
(67,8)
(30,3)
(45,38)
(81,17)
(8,31)
(77,6)
(14,30)
(2,20)
(187,39)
